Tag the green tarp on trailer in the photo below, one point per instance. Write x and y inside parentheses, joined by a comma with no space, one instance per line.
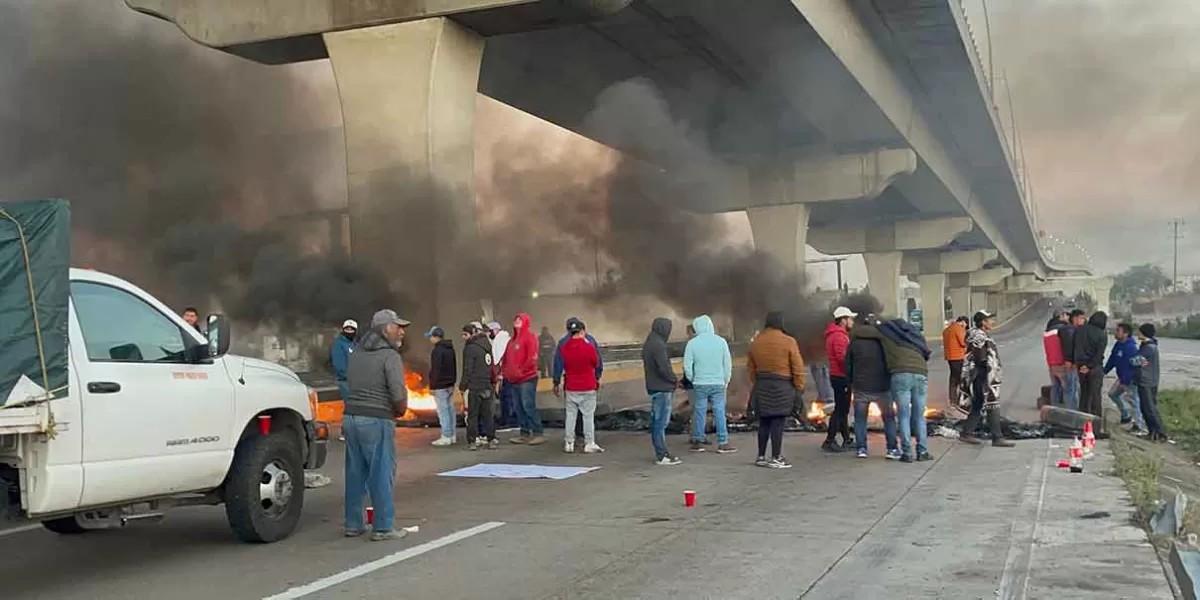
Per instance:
(35,245)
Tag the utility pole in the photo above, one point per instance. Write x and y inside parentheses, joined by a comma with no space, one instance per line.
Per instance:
(1175,238)
(839,262)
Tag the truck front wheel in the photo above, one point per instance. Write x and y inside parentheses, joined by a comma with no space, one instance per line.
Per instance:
(264,493)
(65,526)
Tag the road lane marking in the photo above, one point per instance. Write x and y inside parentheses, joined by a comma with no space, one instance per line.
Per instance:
(21,529)
(387,561)
(1018,564)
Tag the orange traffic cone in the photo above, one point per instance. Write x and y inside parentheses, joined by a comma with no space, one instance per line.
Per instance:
(1076,456)
(1089,439)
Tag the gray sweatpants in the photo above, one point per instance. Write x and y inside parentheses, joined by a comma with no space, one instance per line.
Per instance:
(583,402)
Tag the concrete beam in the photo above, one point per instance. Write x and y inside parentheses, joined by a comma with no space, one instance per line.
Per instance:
(978,279)
(1034,268)
(903,235)
(963,261)
(840,27)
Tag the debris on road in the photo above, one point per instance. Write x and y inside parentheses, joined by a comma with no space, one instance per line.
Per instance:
(313,480)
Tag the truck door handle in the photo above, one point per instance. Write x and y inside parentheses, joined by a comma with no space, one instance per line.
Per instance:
(103,387)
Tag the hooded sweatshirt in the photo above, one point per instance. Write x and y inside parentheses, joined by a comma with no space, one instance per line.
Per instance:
(443,366)
(706,359)
(866,364)
(1121,359)
(837,340)
(656,364)
(1090,341)
(477,372)
(339,355)
(904,348)
(375,376)
(520,362)
(1146,363)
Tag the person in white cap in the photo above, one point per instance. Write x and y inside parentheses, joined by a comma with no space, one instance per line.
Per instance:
(339,355)
(508,410)
(837,340)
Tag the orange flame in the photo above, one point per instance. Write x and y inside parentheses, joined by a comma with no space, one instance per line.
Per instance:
(419,397)
(816,412)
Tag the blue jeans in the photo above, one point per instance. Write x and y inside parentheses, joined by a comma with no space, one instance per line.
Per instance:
(370,468)
(1119,391)
(660,415)
(910,391)
(508,407)
(702,396)
(820,376)
(528,417)
(445,410)
(861,400)
(1058,385)
(1071,389)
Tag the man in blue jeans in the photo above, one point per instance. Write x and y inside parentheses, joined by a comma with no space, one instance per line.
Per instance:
(378,396)
(708,365)
(1124,349)
(866,370)
(907,361)
(661,383)
(443,375)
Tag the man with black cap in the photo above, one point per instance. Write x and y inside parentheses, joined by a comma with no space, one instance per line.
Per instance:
(580,361)
(981,380)
(478,384)
(378,396)
(558,361)
(443,371)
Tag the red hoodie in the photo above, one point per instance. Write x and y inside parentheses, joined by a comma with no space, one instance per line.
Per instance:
(580,360)
(520,363)
(836,343)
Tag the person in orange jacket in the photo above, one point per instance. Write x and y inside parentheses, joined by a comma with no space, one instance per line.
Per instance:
(954,345)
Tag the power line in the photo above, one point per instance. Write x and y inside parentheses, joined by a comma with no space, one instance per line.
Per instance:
(1175,238)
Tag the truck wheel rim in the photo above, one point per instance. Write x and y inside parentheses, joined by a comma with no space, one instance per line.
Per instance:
(275,489)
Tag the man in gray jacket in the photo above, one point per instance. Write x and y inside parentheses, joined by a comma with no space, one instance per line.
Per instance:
(378,396)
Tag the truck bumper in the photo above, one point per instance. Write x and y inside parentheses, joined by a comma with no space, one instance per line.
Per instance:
(318,444)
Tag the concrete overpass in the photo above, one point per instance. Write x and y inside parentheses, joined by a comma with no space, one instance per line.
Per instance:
(847,125)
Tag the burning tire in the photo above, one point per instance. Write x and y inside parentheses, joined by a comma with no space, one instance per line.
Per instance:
(264,491)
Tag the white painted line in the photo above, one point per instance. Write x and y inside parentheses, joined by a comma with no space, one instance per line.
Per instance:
(1019,559)
(21,529)
(1037,522)
(387,561)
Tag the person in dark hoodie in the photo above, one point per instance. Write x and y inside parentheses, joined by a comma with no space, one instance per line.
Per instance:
(866,369)
(1090,341)
(661,383)
(478,383)
(776,374)
(378,396)
(908,362)
(1147,367)
(982,376)
(443,370)
(1124,391)
(546,355)
(1066,335)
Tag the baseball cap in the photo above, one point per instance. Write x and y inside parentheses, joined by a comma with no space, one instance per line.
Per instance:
(350,323)
(386,316)
(494,326)
(842,312)
(983,315)
(575,325)
(435,331)
(473,327)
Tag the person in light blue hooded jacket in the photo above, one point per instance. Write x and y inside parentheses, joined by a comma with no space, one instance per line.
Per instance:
(709,366)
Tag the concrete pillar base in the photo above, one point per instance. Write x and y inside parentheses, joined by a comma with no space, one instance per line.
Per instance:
(883,277)
(979,301)
(933,303)
(408,93)
(960,301)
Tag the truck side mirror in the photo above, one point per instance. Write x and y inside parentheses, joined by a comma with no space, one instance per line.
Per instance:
(218,335)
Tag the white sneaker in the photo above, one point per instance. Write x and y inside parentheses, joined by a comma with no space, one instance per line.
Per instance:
(668,461)
(569,447)
(592,449)
(443,441)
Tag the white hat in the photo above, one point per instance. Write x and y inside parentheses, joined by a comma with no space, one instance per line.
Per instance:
(842,311)
(494,326)
(350,323)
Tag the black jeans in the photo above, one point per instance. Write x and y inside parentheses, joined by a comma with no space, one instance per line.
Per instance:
(770,427)
(955,380)
(971,423)
(1148,398)
(479,414)
(1091,391)
(840,421)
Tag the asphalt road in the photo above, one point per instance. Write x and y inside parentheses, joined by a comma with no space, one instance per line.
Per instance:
(978,522)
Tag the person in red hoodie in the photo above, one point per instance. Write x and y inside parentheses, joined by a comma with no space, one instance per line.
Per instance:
(520,369)
(837,340)
(579,360)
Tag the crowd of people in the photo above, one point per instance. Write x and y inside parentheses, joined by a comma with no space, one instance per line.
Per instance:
(1074,343)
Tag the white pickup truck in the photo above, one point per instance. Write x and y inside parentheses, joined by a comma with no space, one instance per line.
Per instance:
(156,415)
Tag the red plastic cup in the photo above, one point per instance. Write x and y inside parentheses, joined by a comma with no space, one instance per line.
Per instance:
(264,424)
(370,515)
(689,498)
(1064,464)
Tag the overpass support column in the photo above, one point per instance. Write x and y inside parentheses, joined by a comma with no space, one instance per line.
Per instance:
(781,232)
(933,303)
(407,93)
(1103,287)
(960,301)
(979,301)
(883,277)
